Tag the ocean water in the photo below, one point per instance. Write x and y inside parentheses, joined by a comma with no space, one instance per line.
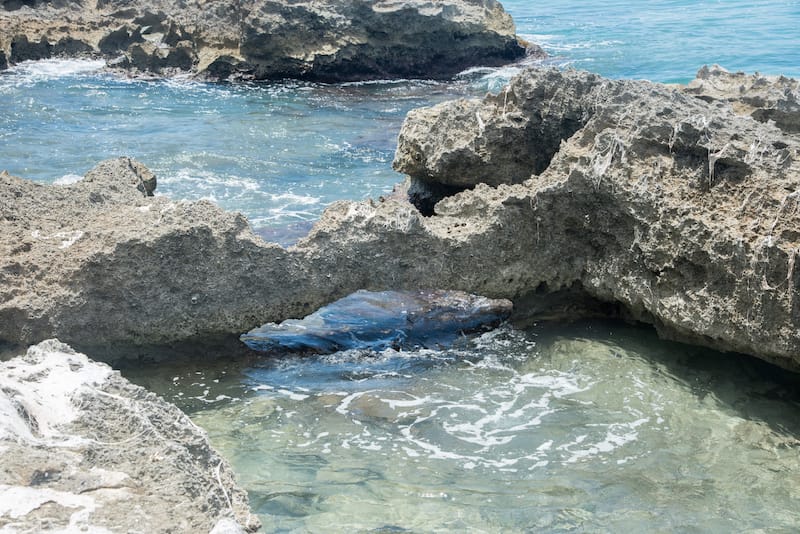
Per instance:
(591,427)
(665,40)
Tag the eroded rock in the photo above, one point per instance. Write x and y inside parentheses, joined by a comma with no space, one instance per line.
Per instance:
(83,449)
(682,209)
(765,98)
(323,40)
(666,207)
(502,139)
(377,320)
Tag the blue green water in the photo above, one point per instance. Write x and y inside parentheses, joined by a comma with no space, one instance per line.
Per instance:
(589,428)
(665,40)
(595,427)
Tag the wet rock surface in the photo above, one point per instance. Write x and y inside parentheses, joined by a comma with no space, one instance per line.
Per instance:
(319,40)
(642,200)
(85,450)
(377,320)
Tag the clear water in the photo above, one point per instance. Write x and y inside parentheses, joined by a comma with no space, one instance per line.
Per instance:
(591,428)
(665,40)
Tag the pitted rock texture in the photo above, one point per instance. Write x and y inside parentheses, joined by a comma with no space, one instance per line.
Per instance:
(765,98)
(84,450)
(674,210)
(682,209)
(316,39)
(502,139)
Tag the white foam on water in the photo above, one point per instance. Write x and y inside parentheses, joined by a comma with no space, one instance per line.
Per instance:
(393,81)
(585,45)
(292,395)
(68,179)
(48,69)
(206,180)
(617,435)
(539,38)
(558,384)
(293,198)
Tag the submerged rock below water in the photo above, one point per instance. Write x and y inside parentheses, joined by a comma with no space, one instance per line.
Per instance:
(383,319)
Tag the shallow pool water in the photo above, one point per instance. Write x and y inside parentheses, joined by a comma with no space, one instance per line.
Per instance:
(590,427)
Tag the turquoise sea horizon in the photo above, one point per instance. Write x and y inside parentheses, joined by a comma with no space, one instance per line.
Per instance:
(665,40)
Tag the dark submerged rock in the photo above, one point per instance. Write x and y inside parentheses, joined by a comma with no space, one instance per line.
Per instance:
(383,319)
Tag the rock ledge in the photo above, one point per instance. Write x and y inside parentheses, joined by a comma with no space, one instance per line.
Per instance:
(676,206)
(85,450)
(322,40)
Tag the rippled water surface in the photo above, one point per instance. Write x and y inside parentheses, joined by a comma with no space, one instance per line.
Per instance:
(593,427)
(665,40)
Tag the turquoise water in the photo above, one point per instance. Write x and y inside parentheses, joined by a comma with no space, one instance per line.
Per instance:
(595,427)
(666,40)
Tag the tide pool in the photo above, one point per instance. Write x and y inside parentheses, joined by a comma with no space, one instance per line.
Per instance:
(597,427)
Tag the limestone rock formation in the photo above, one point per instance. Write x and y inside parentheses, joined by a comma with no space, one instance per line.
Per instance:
(83,449)
(320,40)
(765,98)
(682,209)
(642,199)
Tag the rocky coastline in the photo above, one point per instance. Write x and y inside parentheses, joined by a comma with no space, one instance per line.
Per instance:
(675,206)
(567,193)
(248,40)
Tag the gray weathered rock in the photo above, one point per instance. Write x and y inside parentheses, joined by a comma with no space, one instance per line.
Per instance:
(765,98)
(321,39)
(683,210)
(83,449)
(500,140)
(672,209)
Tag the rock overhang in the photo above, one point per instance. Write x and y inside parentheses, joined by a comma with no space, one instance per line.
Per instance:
(676,210)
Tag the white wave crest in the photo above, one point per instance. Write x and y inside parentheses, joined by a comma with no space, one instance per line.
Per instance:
(46,69)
